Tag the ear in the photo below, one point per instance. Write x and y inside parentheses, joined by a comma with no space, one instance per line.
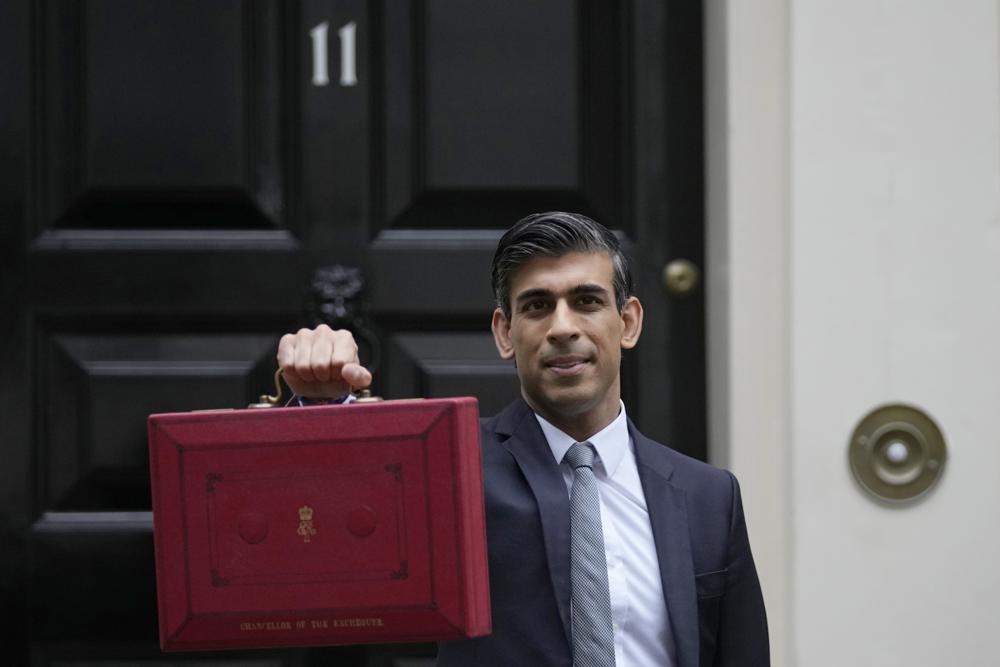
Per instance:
(632,323)
(501,335)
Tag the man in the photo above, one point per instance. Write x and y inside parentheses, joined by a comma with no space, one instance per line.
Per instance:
(657,569)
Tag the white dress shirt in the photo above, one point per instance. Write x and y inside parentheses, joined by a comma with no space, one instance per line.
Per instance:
(638,608)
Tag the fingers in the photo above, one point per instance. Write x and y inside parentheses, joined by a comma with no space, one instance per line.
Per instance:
(344,350)
(320,357)
(302,362)
(286,351)
(321,362)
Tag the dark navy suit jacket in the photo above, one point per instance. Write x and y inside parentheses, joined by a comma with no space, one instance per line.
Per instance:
(710,584)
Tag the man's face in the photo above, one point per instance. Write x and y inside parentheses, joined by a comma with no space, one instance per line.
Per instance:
(566,335)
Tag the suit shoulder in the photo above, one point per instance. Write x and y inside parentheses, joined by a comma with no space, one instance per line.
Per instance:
(488,424)
(688,471)
(490,439)
(488,427)
(506,422)
(696,466)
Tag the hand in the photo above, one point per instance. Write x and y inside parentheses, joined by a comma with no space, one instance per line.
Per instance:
(321,363)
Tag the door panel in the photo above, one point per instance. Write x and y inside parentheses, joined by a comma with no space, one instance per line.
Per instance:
(498,98)
(99,389)
(160,115)
(491,110)
(451,364)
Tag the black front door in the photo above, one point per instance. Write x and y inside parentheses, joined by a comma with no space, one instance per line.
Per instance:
(181,182)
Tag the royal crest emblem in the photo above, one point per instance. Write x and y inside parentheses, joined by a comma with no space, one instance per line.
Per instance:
(306,530)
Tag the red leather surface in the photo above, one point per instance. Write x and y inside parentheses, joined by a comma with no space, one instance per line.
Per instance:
(359,523)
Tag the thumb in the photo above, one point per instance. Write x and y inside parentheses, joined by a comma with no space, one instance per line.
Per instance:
(357,375)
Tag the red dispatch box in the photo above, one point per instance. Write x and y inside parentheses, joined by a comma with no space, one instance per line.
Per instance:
(339,524)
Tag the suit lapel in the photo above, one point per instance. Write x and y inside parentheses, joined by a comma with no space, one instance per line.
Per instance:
(531,451)
(668,517)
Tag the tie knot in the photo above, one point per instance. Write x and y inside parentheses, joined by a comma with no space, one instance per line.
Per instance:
(580,455)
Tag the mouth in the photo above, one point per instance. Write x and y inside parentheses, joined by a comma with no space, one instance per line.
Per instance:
(565,365)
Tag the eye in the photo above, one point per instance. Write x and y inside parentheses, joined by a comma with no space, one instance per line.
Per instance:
(588,300)
(535,305)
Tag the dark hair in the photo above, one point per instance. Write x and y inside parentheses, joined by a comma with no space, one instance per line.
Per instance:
(554,234)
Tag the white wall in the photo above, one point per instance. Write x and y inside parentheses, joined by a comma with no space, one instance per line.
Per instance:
(747,182)
(881,213)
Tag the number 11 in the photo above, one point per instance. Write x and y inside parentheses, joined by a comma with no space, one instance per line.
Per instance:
(348,73)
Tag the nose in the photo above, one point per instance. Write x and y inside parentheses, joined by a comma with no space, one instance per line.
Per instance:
(562,325)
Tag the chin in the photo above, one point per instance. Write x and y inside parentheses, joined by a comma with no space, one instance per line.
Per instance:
(569,403)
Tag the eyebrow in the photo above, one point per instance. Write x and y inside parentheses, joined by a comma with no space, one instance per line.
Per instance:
(541,292)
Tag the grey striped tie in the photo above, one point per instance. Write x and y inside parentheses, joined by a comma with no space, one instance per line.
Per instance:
(593,635)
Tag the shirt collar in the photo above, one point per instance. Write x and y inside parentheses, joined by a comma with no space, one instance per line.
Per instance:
(610,442)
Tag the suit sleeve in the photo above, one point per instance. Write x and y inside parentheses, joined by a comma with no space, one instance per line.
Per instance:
(742,637)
